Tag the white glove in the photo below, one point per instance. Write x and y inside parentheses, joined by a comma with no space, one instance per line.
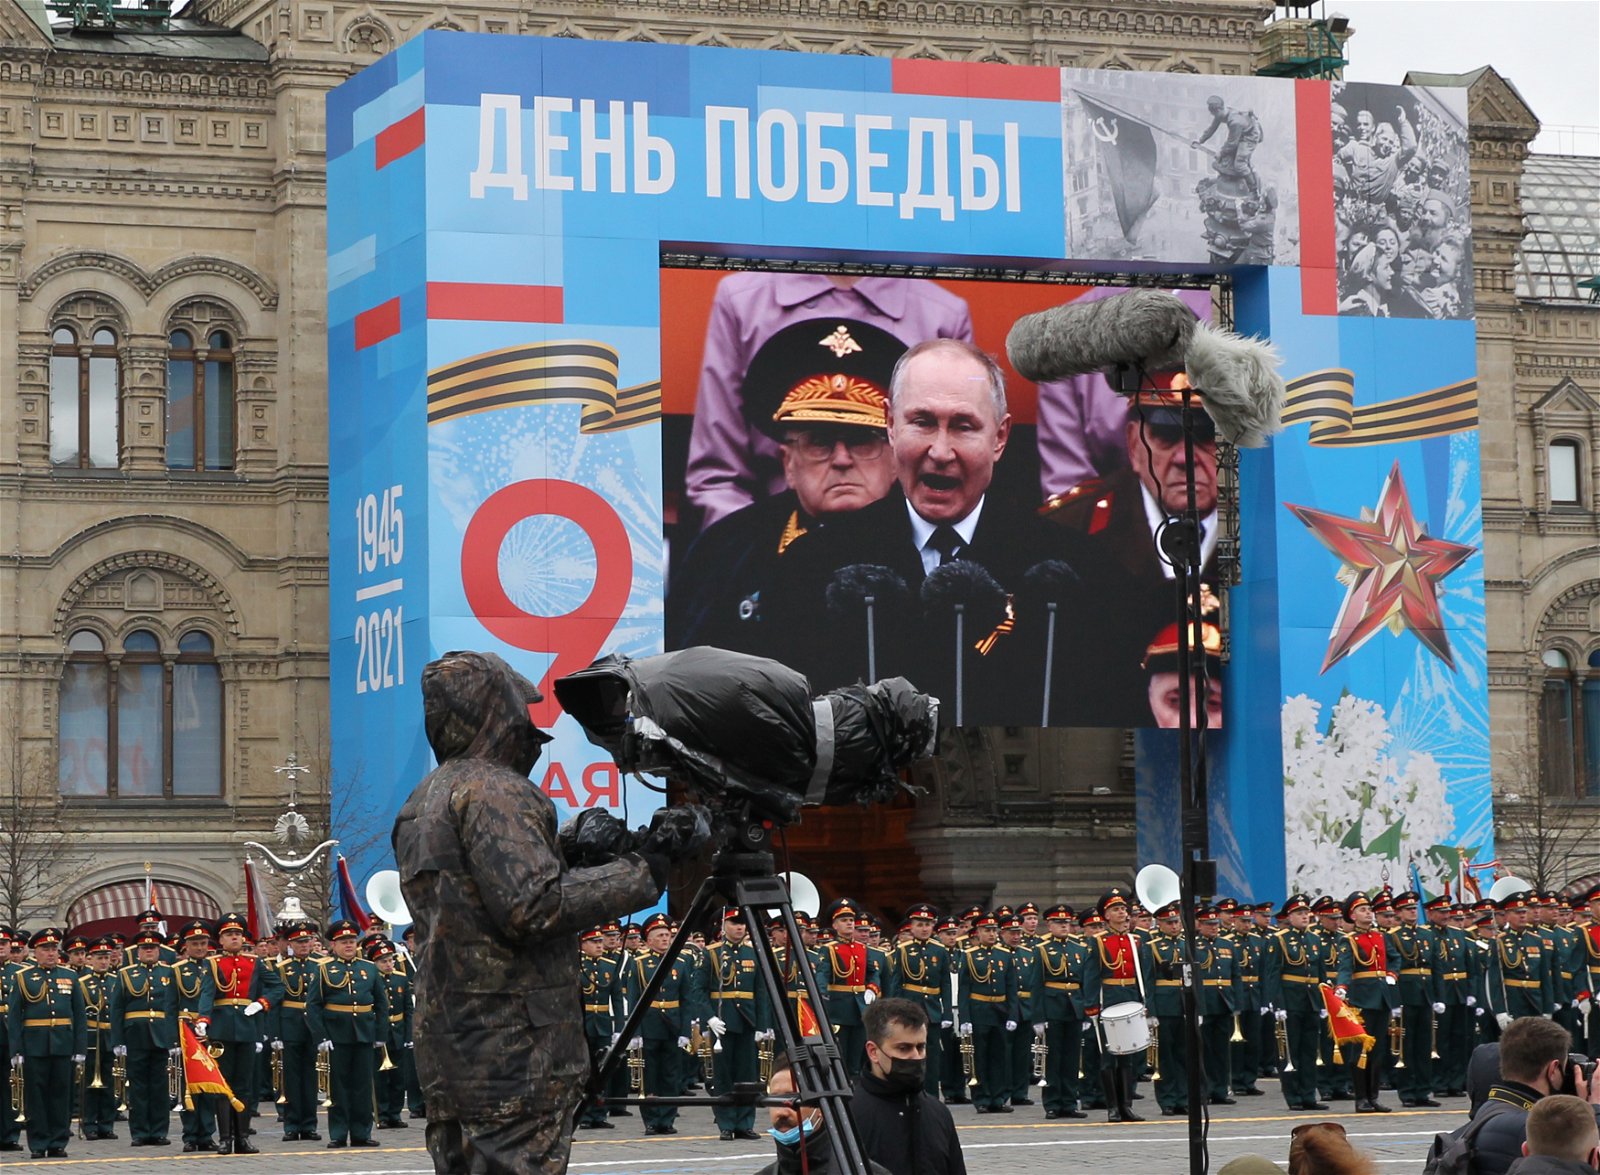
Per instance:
(410,1044)
(16,1061)
(1396,1013)
(120,1050)
(868,996)
(636,1043)
(170,1052)
(277,1046)
(1439,1009)
(1390,980)
(1477,1011)
(769,1034)
(717,1025)
(259,1046)
(1472,1002)
(683,1042)
(1583,1005)
(1558,1005)
(1088,1026)
(253,1007)
(200,1029)
(1199,1020)
(616,1036)
(946,1023)
(1503,1019)
(325,1046)
(1011,1025)
(1280,1015)
(1322,1013)
(1040,1029)
(377,1044)
(966,1031)
(78,1058)
(1153,1022)
(1341,992)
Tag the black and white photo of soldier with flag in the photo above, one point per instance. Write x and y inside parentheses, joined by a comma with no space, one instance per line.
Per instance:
(1201,171)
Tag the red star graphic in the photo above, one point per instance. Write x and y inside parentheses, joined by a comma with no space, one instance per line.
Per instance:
(1391,569)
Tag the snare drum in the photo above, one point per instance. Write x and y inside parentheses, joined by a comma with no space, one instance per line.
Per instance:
(1125,1029)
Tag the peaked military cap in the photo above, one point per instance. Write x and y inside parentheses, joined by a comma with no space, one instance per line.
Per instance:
(1061,912)
(822,371)
(922,911)
(148,938)
(232,922)
(343,928)
(192,930)
(50,936)
(655,922)
(1112,897)
(1354,902)
(842,908)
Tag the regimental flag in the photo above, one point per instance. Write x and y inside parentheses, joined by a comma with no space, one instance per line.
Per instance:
(808,1019)
(200,1072)
(258,908)
(1346,1025)
(1128,147)
(350,905)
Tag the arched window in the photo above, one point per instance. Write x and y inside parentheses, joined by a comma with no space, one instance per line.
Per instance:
(136,723)
(85,402)
(199,401)
(1563,471)
(196,718)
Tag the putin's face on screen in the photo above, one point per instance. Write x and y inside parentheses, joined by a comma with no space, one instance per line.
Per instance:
(946,432)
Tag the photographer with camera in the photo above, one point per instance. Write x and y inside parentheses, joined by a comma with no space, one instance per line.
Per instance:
(1535,1063)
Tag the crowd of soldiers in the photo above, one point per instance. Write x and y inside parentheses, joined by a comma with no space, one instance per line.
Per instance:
(92,1032)
(1017,998)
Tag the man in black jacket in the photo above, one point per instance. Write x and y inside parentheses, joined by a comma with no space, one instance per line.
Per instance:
(900,1125)
(1563,1138)
(1533,1065)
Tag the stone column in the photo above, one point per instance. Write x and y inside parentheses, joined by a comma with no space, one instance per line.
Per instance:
(144,405)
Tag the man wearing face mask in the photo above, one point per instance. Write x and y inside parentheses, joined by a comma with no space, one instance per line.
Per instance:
(803,1147)
(899,1123)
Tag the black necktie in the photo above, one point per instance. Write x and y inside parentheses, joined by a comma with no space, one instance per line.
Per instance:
(946,541)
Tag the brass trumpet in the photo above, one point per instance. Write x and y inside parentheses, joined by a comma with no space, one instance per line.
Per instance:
(636,1069)
(1041,1059)
(1433,1052)
(277,1078)
(1281,1031)
(764,1059)
(1397,1040)
(700,1046)
(386,1064)
(1238,1031)
(324,1079)
(1152,1052)
(174,1076)
(969,1060)
(18,1085)
(119,1083)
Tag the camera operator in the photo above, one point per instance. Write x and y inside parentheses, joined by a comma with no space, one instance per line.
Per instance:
(498,900)
(1534,1064)
(1562,1138)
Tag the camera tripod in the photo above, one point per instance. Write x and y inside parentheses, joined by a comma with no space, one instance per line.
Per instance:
(742,875)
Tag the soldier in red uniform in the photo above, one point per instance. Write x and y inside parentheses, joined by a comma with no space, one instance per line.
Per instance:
(245,988)
(1122,960)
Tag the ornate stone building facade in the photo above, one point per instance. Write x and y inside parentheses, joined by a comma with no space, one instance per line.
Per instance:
(163,493)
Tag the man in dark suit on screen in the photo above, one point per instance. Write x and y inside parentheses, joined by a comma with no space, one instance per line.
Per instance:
(948,427)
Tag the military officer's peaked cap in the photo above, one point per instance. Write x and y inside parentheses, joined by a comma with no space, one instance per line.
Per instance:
(986,920)
(1008,922)
(1227,906)
(1516,901)
(1113,897)
(299,931)
(971,912)
(1091,918)
(75,942)
(947,925)
(612,927)
(103,943)
(1324,905)
(1352,903)
(148,938)
(591,934)
(1207,914)
(1437,902)
(1593,895)
(656,921)
(1058,913)
(380,948)
(232,921)
(151,917)
(193,930)
(842,908)
(1163,408)
(6,933)
(1406,899)
(50,936)
(1295,901)
(1170,910)
(921,911)
(342,928)
(823,371)
(1027,908)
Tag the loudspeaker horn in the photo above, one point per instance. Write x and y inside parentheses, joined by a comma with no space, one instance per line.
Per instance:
(1156,886)
(384,898)
(803,893)
(1506,886)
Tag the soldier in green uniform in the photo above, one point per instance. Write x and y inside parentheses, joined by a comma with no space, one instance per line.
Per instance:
(395,1033)
(918,971)
(408,1064)
(144,1034)
(1217,1003)
(1522,966)
(1019,1040)
(740,1011)
(1292,973)
(1245,1059)
(98,1106)
(602,1005)
(48,1031)
(1421,992)
(75,952)
(664,1033)
(291,1035)
(1165,988)
(1565,953)
(1451,953)
(1064,973)
(987,1012)
(196,992)
(150,920)
(948,931)
(347,1002)
(1333,1077)
(10,1117)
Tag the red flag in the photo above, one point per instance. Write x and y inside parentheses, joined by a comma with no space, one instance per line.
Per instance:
(200,1072)
(1346,1025)
(1128,150)
(258,908)
(807,1018)
(349,903)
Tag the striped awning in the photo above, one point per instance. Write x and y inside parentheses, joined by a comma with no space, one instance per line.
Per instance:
(126,899)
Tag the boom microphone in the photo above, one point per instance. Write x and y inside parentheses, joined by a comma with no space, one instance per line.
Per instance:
(1236,377)
(1142,328)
